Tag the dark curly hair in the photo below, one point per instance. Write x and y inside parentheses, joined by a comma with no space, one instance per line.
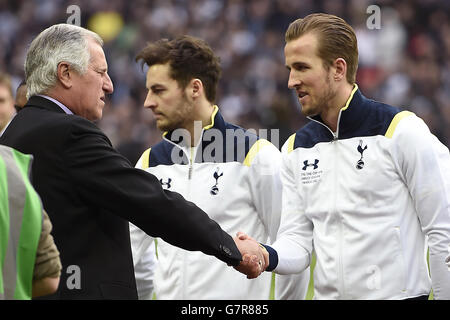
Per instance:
(189,58)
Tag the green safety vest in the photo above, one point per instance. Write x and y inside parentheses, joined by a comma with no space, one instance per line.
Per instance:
(20,225)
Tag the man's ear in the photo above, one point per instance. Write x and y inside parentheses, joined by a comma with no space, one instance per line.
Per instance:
(64,74)
(195,88)
(340,67)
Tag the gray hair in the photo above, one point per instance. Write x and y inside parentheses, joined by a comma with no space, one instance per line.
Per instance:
(61,42)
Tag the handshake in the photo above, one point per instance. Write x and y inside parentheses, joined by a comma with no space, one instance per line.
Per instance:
(255,258)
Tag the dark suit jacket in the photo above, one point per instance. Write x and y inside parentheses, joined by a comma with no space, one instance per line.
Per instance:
(91,192)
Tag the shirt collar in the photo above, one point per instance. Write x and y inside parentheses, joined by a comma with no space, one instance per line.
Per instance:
(350,115)
(216,119)
(59,104)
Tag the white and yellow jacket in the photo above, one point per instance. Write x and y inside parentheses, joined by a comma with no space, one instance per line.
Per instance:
(234,177)
(367,199)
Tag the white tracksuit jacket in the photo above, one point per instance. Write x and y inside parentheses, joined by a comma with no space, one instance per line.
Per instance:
(367,199)
(239,187)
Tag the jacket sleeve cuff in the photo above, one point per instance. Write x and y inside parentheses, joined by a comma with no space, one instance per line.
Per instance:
(273,258)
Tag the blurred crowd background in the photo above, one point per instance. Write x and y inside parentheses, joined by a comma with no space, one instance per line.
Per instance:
(406,62)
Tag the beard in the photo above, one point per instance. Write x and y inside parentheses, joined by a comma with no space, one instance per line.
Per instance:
(180,118)
(327,94)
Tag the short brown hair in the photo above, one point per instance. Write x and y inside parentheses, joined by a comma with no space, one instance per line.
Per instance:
(336,39)
(189,58)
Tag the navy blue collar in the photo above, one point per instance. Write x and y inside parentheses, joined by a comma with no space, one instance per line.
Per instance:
(217,122)
(360,117)
(352,115)
(216,146)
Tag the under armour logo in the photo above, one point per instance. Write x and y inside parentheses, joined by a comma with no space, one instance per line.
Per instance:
(360,163)
(307,164)
(216,175)
(166,184)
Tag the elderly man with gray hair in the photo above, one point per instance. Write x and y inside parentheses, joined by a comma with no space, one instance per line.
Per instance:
(89,190)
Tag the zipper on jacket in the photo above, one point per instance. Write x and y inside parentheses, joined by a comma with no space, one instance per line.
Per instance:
(190,156)
(190,171)
(185,255)
(334,134)
(339,220)
(340,265)
(335,142)
(184,292)
(191,168)
(341,279)
(335,212)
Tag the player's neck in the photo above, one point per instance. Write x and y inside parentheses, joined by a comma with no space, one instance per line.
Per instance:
(204,113)
(331,115)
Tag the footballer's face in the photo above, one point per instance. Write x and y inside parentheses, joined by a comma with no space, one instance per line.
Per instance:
(167,99)
(308,75)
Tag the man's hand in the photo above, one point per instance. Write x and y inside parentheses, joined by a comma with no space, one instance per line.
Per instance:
(254,260)
(242,236)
